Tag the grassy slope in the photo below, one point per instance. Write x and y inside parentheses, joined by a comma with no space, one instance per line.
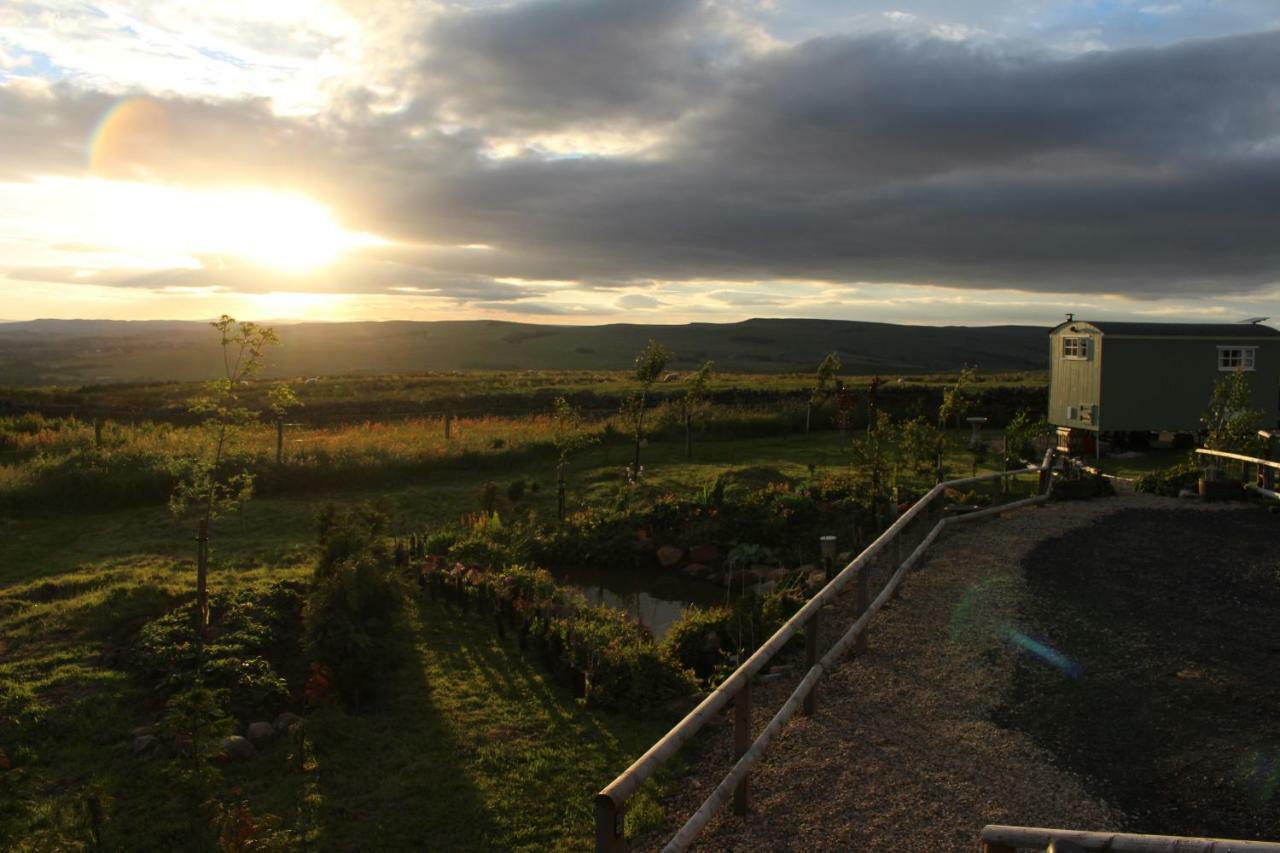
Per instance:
(471,746)
(69,352)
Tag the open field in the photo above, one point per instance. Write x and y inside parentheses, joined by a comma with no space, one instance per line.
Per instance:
(76,352)
(488,741)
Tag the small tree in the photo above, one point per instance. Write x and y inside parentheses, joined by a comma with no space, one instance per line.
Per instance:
(954,404)
(695,396)
(825,383)
(207,487)
(879,453)
(568,434)
(1020,436)
(649,366)
(1230,424)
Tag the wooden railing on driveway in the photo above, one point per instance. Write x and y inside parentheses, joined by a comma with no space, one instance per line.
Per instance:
(1009,839)
(1266,471)
(611,803)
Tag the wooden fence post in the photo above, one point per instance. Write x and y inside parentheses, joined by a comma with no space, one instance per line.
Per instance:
(608,825)
(448,424)
(279,440)
(741,743)
(97,432)
(897,561)
(860,606)
(808,415)
(811,631)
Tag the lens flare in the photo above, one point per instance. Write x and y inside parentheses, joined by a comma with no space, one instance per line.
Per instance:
(1044,653)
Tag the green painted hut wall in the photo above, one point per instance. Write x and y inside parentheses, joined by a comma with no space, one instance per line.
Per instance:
(1151,382)
(1165,383)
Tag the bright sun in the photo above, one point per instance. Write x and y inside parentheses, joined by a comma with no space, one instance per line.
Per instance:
(157,226)
(288,232)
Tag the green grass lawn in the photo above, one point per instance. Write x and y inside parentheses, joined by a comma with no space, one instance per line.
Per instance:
(470,745)
(1137,463)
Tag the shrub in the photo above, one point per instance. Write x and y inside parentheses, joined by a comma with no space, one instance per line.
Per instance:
(245,631)
(1170,481)
(711,641)
(353,617)
(699,638)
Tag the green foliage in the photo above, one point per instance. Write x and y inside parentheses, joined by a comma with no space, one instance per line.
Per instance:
(246,630)
(956,398)
(825,379)
(354,608)
(1230,423)
(345,533)
(713,641)
(1170,481)
(649,366)
(195,721)
(1021,434)
(699,638)
(650,363)
(625,668)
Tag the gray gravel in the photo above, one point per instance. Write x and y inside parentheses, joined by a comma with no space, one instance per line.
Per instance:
(901,754)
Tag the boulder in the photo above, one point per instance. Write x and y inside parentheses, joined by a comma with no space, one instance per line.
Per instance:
(261,731)
(286,721)
(707,554)
(815,579)
(237,748)
(763,589)
(138,731)
(669,556)
(144,743)
(776,576)
(757,574)
(698,570)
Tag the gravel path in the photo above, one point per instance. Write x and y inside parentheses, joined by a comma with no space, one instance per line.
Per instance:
(902,755)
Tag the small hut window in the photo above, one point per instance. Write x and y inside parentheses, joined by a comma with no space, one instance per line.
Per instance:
(1075,347)
(1236,358)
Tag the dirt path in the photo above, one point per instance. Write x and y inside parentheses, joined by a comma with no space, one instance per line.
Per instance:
(902,754)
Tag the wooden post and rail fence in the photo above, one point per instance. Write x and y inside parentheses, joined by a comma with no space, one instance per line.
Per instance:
(1266,471)
(611,803)
(1009,839)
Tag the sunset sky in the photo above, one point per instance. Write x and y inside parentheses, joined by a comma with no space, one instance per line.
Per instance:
(586,161)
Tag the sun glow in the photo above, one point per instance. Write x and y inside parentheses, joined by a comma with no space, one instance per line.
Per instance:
(287,232)
(178,226)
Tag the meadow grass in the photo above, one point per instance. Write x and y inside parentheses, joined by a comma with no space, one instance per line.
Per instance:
(472,745)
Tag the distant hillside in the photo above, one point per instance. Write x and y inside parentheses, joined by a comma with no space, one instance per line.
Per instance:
(77,352)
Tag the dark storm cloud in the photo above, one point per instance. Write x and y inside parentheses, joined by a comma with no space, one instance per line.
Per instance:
(900,159)
(540,66)
(878,158)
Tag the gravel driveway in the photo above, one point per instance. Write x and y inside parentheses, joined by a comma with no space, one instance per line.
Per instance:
(902,754)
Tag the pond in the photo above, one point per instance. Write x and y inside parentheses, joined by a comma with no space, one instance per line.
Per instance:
(656,599)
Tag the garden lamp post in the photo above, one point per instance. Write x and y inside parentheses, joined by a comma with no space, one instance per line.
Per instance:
(828,545)
(976,423)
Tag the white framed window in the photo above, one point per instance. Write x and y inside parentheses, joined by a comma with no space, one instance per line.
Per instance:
(1075,348)
(1237,358)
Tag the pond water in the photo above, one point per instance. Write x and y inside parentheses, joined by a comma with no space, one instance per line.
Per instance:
(655,598)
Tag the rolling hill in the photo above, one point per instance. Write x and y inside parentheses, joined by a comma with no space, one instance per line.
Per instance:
(78,352)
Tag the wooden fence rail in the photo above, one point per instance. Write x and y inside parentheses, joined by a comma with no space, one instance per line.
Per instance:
(1008,839)
(610,805)
(1267,471)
